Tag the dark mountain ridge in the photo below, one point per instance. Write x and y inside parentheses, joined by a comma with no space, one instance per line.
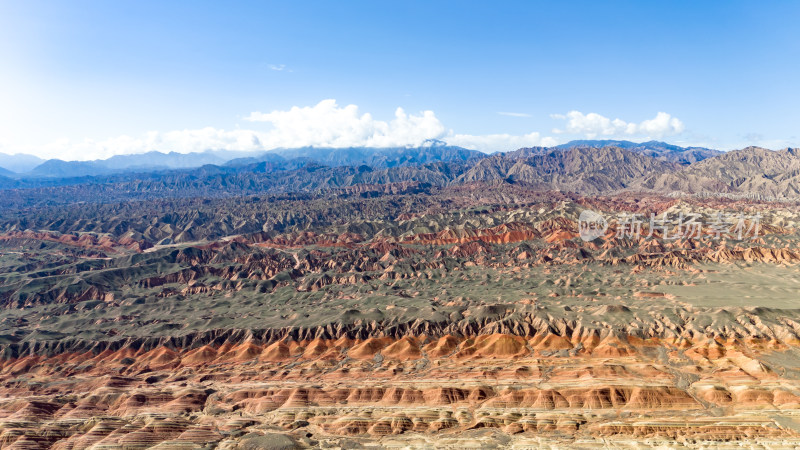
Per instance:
(752,170)
(430,152)
(150,161)
(584,169)
(290,158)
(581,168)
(655,149)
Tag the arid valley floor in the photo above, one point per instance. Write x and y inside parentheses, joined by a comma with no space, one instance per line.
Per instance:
(395,314)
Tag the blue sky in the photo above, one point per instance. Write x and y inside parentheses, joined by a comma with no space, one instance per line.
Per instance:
(83,79)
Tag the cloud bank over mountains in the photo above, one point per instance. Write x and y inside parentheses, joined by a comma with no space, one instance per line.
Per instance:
(593,125)
(327,124)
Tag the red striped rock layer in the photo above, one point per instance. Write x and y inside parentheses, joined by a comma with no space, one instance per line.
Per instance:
(617,388)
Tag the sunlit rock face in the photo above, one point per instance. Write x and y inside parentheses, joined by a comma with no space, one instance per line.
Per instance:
(561,389)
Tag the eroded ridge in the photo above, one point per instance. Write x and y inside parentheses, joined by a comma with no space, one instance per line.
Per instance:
(478,319)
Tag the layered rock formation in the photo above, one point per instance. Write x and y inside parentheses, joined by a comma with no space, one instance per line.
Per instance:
(546,388)
(479,317)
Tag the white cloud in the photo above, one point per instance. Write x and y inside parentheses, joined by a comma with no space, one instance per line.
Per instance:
(499,142)
(327,124)
(513,114)
(181,141)
(277,67)
(593,125)
(323,125)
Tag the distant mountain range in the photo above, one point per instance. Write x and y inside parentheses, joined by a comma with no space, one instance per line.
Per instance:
(29,166)
(577,169)
(145,162)
(433,151)
(750,170)
(584,167)
(654,149)
(19,163)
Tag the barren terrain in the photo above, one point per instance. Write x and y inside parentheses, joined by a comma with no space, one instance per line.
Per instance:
(469,315)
